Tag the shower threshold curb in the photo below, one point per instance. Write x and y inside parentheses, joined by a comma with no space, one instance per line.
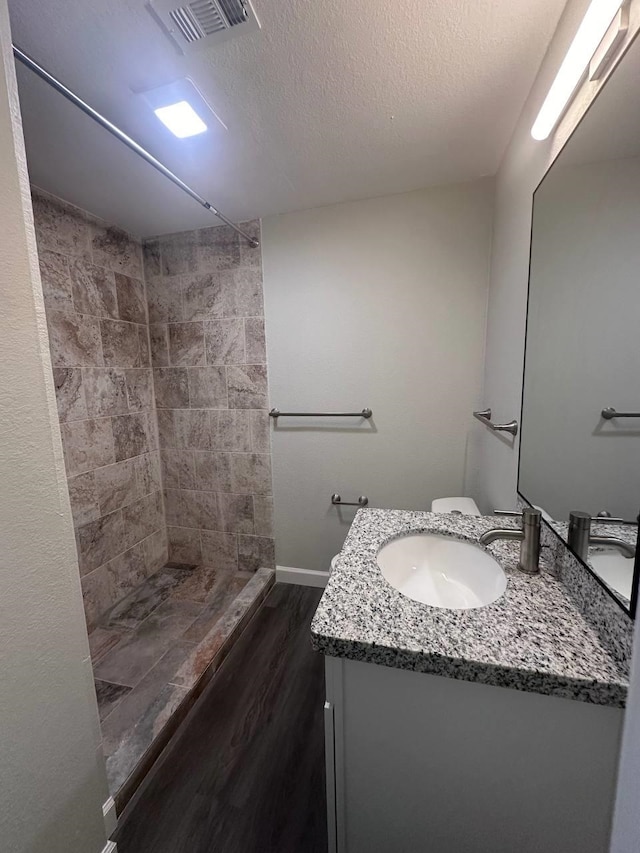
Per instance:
(143,745)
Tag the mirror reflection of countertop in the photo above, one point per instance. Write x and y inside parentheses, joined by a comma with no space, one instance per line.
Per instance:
(533,638)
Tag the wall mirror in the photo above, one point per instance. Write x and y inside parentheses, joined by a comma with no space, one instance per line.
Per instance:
(580,440)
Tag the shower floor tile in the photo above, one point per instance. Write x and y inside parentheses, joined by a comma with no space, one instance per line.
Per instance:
(137,653)
(134,609)
(108,696)
(154,649)
(102,640)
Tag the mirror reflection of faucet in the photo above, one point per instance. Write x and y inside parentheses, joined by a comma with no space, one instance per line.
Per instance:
(581,537)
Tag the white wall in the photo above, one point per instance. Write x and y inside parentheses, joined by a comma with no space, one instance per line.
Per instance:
(584,263)
(52,779)
(523,167)
(378,303)
(524,164)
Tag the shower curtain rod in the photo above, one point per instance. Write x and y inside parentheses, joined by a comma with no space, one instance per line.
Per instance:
(122,136)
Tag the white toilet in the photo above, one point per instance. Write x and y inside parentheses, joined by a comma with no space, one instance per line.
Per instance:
(465,506)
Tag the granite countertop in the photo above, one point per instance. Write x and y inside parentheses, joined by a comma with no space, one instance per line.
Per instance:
(533,638)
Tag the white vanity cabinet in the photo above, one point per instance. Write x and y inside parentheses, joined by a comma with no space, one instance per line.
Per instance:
(425,764)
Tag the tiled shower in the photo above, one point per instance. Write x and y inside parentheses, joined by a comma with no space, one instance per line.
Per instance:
(159,363)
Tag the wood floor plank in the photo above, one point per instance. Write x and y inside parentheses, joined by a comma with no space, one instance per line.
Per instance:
(245,774)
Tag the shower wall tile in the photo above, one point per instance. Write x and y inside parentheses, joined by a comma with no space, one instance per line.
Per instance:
(83,496)
(132,304)
(204,296)
(206,309)
(186,344)
(105,391)
(116,250)
(123,344)
(185,546)
(96,306)
(235,513)
(93,289)
(247,386)
(99,541)
(60,227)
(56,281)
(127,571)
(74,340)
(97,595)
(241,473)
(246,293)
(231,431)
(139,382)
(159,338)
(263,515)
(220,549)
(151,258)
(208,388)
(178,253)
(116,485)
(133,435)
(148,472)
(164,299)
(192,429)
(225,341)
(255,340)
(87,445)
(69,393)
(260,431)
(218,248)
(251,256)
(172,387)
(178,468)
(156,550)
(255,552)
(142,518)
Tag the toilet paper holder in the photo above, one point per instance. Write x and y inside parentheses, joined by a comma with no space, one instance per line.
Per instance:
(336,500)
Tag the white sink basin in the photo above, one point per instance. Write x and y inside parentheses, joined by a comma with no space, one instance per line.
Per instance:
(614,568)
(442,571)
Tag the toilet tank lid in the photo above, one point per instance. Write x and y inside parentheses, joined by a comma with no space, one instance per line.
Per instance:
(467,506)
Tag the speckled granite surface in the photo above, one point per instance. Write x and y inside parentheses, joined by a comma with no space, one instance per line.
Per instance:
(533,638)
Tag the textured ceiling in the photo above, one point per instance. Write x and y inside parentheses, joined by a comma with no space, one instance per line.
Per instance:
(331,101)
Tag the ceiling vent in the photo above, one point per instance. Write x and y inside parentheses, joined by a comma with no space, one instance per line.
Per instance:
(202,23)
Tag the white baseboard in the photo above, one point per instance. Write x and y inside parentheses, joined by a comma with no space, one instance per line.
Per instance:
(303,577)
(110,847)
(110,819)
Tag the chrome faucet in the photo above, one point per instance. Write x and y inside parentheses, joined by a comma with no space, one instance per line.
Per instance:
(528,536)
(580,536)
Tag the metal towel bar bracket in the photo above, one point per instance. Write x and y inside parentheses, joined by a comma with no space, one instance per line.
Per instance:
(609,413)
(336,500)
(485,418)
(276,413)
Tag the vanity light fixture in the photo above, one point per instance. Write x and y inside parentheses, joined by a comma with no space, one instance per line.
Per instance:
(182,108)
(590,33)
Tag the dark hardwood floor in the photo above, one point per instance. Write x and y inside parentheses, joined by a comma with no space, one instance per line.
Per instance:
(245,773)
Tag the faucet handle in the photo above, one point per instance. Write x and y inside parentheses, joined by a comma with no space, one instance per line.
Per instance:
(511,512)
(610,519)
(531,515)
